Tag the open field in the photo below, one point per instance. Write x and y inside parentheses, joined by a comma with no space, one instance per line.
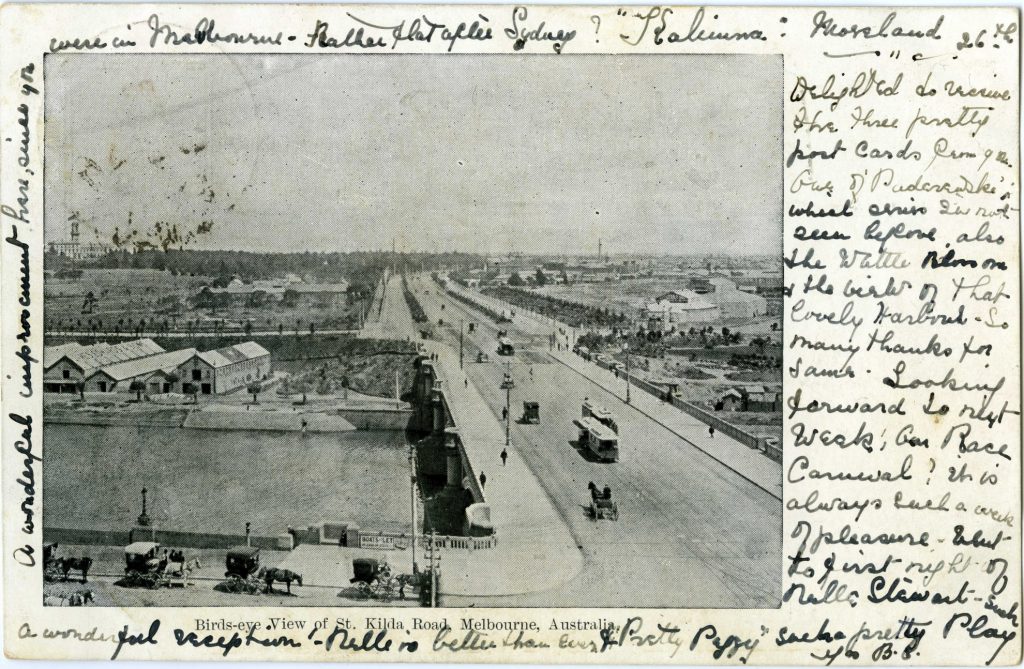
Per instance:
(94,476)
(118,299)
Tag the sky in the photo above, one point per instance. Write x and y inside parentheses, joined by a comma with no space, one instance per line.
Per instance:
(533,154)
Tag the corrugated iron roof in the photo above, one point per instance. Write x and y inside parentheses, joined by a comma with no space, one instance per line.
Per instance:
(101,354)
(214,358)
(130,369)
(54,353)
(251,349)
(231,354)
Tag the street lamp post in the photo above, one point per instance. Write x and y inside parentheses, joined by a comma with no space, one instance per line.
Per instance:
(508,384)
(144,517)
(462,328)
(625,347)
(412,501)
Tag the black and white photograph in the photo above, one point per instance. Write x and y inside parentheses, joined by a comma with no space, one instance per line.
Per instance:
(401,330)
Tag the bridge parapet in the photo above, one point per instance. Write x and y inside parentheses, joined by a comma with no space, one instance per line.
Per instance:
(434,399)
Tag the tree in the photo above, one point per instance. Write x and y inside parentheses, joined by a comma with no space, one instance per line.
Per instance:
(256,299)
(516,280)
(137,386)
(540,278)
(255,389)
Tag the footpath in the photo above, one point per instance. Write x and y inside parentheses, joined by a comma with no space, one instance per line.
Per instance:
(535,550)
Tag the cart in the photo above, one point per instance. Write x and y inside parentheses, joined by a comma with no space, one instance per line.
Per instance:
(365,570)
(601,504)
(531,412)
(242,561)
(143,565)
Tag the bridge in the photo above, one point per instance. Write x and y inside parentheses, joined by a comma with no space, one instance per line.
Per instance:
(699,517)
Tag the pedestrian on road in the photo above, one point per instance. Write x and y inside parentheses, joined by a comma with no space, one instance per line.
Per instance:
(483,480)
(531,372)
(504,413)
(711,431)
(504,456)
(467,382)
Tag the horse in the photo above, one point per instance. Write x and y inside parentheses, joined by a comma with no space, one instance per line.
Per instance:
(71,599)
(285,576)
(79,564)
(81,598)
(183,567)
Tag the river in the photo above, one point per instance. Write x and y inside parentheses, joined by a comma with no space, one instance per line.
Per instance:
(216,481)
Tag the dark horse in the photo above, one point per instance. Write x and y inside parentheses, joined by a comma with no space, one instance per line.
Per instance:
(283,575)
(81,564)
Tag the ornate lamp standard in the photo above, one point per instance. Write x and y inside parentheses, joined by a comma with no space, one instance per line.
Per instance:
(508,384)
(144,517)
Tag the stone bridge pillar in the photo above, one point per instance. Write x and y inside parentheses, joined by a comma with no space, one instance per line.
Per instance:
(440,415)
(427,378)
(452,457)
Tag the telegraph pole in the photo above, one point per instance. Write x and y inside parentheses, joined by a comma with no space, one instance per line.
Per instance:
(625,347)
(433,569)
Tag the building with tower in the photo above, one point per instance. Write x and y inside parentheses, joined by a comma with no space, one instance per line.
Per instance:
(75,249)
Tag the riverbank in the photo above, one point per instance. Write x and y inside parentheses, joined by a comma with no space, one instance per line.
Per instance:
(273,418)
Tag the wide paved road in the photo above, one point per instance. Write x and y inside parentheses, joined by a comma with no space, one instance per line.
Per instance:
(691,533)
(393,319)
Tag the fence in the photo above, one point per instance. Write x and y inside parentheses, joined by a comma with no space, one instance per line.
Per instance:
(466,543)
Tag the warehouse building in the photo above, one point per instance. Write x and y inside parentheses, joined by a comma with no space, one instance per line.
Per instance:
(143,366)
(64,366)
(119,377)
(225,369)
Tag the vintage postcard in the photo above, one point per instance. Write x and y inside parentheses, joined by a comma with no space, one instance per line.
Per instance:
(520,334)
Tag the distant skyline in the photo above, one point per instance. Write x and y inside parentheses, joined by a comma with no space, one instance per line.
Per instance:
(666,155)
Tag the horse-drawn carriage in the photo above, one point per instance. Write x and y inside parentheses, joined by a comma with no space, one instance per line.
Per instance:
(59,568)
(531,412)
(143,565)
(243,568)
(482,357)
(601,504)
(365,570)
(148,565)
(242,561)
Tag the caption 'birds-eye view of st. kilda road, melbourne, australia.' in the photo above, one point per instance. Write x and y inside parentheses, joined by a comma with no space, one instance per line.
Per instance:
(413,330)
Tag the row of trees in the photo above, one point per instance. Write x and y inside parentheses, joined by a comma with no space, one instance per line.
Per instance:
(571,313)
(255,264)
(415,308)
